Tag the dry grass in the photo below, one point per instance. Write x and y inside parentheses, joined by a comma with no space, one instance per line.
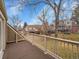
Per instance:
(74,37)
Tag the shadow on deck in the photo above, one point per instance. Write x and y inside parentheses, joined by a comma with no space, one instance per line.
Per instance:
(24,50)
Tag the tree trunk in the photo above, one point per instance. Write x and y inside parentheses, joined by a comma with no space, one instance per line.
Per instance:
(57,13)
(56,25)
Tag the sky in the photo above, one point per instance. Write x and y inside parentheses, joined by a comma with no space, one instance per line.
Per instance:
(29,14)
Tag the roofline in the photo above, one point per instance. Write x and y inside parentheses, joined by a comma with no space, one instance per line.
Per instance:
(1,15)
(2,9)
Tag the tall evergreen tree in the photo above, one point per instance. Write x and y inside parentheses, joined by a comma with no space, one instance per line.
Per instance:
(25,24)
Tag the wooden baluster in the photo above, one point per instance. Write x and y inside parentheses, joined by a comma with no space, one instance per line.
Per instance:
(16,38)
(45,42)
(77,53)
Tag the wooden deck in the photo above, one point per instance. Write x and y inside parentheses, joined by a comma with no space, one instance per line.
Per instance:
(24,50)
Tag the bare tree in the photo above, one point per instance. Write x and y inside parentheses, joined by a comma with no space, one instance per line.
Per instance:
(43,18)
(54,4)
(16,22)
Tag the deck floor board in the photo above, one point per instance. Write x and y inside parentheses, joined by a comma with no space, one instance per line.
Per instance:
(24,50)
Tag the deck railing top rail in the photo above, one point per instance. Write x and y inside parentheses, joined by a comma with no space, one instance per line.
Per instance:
(58,39)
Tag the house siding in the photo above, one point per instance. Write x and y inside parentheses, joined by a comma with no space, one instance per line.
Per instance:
(3,34)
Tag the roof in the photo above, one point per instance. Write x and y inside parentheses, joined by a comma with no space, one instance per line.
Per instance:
(2,8)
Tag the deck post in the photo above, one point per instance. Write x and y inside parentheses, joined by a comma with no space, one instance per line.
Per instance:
(16,38)
(32,38)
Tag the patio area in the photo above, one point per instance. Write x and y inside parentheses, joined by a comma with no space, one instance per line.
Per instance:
(24,50)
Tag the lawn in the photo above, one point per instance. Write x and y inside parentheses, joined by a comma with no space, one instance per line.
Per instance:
(72,36)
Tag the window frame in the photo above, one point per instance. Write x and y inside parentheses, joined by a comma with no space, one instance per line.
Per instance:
(1,34)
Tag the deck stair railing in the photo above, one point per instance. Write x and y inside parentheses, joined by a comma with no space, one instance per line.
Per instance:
(19,36)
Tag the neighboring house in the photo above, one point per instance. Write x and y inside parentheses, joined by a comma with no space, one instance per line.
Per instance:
(65,25)
(68,25)
(61,25)
(39,28)
(33,28)
(52,27)
(75,26)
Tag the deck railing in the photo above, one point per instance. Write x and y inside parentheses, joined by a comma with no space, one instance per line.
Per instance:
(57,47)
